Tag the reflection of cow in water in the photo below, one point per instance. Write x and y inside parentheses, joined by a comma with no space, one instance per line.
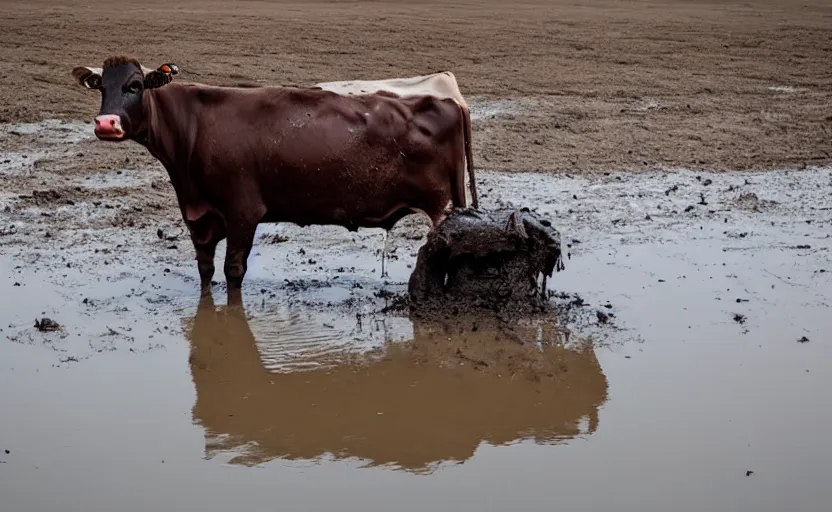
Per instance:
(433,399)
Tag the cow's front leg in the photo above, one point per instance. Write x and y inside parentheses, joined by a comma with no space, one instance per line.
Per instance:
(240,240)
(206,232)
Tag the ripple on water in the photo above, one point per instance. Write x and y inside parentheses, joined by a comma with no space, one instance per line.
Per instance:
(299,339)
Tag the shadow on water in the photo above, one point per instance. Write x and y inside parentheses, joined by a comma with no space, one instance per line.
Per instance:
(408,406)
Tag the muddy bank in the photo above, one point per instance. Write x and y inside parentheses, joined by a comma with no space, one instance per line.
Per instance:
(112,239)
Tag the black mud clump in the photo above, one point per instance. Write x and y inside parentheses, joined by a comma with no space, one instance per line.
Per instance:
(47,325)
(486,260)
(749,201)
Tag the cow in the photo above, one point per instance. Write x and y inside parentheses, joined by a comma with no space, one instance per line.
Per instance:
(237,157)
(441,85)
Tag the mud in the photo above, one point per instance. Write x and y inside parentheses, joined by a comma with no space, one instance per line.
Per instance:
(486,260)
(641,368)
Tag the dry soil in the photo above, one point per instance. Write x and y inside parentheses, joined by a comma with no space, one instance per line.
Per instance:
(590,85)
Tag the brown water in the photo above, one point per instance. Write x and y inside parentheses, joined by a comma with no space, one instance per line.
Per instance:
(312,400)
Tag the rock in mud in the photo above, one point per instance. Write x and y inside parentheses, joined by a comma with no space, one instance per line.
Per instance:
(497,260)
(41,197)
(749,201)
(46,325)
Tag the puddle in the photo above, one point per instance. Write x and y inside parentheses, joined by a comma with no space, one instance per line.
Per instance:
(318,389)
(295,338)
(118,179)
(14,137)
(775,117)
(783,89)
(417,405)
(482,108)
(645,104)
(14,163)
(51,131)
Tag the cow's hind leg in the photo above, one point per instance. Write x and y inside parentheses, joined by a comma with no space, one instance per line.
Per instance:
(206,232)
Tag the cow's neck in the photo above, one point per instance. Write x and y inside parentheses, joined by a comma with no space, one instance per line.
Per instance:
(170,135)
(163,134)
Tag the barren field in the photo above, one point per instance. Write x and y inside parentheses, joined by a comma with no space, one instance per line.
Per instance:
(683,149)
(592,85)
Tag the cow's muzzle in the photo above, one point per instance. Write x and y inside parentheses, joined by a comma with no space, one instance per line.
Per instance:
(108,127)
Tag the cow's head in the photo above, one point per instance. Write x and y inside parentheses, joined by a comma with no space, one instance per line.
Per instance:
(122,82)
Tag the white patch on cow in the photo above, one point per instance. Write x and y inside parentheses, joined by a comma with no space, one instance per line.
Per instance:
(441,85)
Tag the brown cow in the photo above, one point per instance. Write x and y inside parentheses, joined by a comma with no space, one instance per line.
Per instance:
(239,156)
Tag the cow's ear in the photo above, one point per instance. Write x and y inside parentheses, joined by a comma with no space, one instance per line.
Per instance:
(160,76)
(87,77)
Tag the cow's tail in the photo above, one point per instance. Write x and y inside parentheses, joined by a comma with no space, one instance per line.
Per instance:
(459,178)
(469,155)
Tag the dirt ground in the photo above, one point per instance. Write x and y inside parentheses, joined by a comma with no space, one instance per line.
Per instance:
(596,85)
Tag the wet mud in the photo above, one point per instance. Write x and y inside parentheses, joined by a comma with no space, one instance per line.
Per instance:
(494,260)
(328,367)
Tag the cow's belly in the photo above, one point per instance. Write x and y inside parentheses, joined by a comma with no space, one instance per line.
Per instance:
(342,196)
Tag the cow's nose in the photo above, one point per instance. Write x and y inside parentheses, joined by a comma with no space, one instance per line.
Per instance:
(108,127)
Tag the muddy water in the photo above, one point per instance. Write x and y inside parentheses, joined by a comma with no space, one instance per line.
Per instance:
(705,390)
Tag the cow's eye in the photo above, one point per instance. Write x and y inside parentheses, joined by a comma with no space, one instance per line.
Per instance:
(135,87)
